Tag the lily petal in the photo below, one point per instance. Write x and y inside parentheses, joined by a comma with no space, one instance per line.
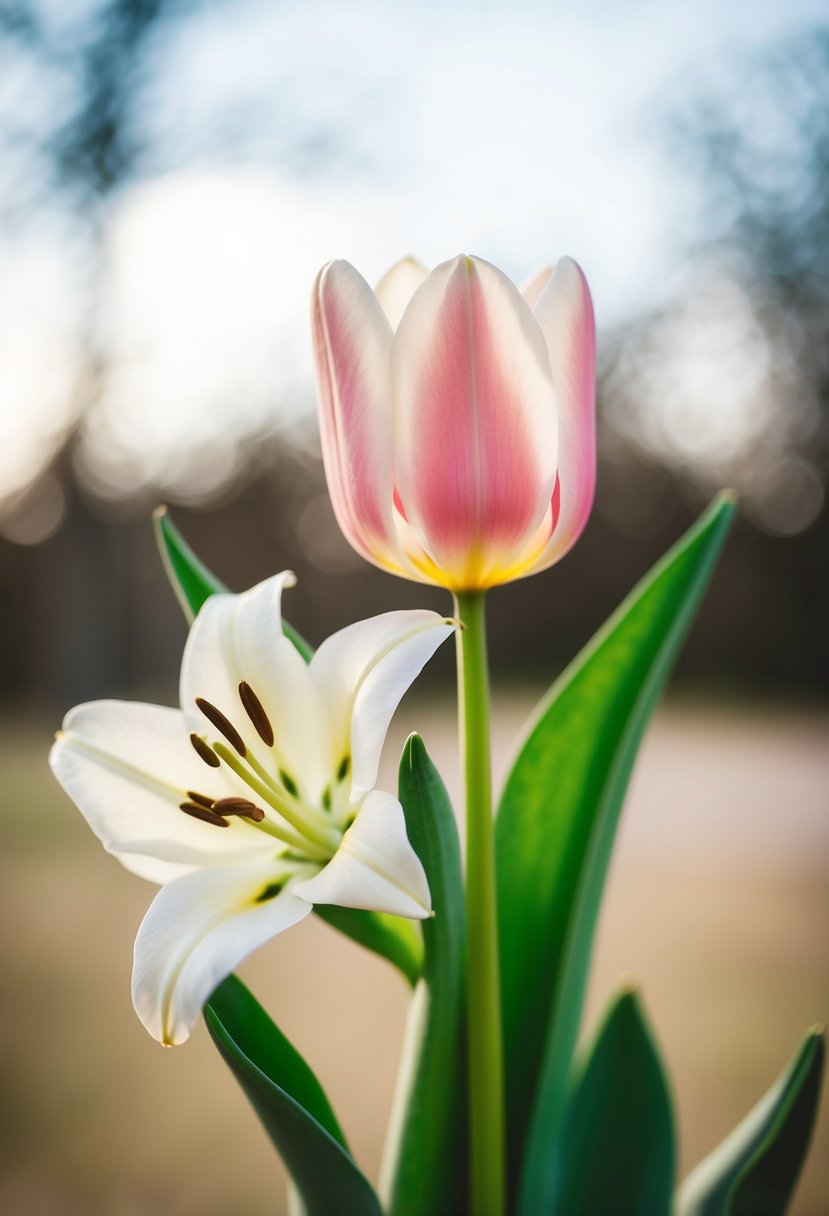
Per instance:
(375,866)
(352,341)
(239,637)
(229,639)
(152,868)
(475,439)
(128,766)
(564,311)
(198,929)
(397,286)
(361,672)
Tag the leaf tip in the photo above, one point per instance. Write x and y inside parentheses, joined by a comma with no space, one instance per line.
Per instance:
(628,1008)
(413,749)
(814,1044)
(627,997)
(162,526)
(161,523)
(723,506)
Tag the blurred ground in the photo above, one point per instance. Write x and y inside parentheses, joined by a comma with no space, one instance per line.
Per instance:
(718,904)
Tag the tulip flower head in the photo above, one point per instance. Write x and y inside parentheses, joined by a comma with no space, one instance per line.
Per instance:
(256,799)
(457,417)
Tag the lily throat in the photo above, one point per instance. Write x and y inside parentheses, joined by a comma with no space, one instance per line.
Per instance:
(279,808)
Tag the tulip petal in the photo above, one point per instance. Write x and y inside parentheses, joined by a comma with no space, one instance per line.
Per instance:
(128,767)
(475,438)
(397,286)
(239,638)
(532,288)
(375,866)
(361,673)
(352,340)
(422,568)
(198,929)
(564,312)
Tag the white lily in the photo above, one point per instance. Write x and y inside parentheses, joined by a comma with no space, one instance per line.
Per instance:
(256,799)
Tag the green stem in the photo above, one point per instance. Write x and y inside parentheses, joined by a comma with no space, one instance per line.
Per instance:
(486,1081)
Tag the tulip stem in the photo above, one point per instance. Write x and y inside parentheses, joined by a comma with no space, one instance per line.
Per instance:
(486,1083)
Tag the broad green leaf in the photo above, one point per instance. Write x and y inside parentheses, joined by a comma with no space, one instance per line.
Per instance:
(395,939)
(191,580)
(290,1103)
(425,1166)
(754,1171)
(392,937)
(616,1149)
(555,829)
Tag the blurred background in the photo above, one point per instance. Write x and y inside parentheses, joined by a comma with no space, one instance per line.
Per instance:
(172,175)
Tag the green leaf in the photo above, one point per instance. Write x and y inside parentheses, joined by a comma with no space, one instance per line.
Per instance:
(392,937)
(426,1157)
(754,1171)
(190,579)
(616,1149)
(555,831)
(290,1103)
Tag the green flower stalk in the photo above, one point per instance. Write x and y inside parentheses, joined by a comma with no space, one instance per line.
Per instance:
(483,986)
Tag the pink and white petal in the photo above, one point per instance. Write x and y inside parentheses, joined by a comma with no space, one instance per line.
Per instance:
(532,288)
(475,418)
(198,929)
(421,568)
(564,311)
(397,287)
(523,561)
(375,866)
(352,342)
(361,672)
(127,767)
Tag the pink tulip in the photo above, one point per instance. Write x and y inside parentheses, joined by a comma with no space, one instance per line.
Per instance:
(457,417)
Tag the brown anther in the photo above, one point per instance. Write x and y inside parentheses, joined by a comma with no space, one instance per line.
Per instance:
(201,799)
(203,813)
(234,805)
(222,725)
(204,751)
(256,712)
(239,806)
